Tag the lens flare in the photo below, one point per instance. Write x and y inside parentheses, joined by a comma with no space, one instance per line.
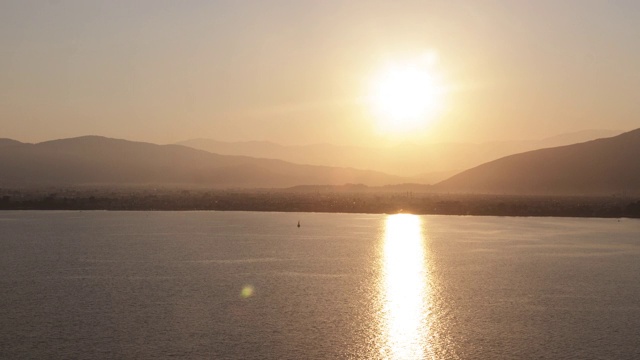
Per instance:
(247,292)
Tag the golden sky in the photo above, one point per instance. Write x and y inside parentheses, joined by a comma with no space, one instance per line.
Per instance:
(299,72)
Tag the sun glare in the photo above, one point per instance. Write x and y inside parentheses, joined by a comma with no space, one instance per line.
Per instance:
(407,96)
(406,290)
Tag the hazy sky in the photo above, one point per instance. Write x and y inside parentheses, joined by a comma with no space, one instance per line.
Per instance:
(295,71)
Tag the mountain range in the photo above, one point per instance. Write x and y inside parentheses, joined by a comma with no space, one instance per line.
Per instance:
(603,166)
(94,160)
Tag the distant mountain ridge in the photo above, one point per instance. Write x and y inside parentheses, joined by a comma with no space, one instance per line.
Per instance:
(599,167)
(604,166)
(423,163)
(95,160)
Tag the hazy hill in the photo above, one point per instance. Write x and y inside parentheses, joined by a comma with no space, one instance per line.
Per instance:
(599,167)
(93,160)
(424,163)
(9,142)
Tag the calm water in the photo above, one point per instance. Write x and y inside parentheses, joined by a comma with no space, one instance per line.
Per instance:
(242,285)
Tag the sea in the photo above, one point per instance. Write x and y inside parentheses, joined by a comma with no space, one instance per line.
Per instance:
(251,285)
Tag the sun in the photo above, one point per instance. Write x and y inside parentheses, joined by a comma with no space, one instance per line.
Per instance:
(407,96)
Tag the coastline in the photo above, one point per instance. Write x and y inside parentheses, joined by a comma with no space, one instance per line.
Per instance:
(323,202)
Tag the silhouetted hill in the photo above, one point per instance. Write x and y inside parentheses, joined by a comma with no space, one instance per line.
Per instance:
(599,167)
(93,160)
(423,163)
(9,142)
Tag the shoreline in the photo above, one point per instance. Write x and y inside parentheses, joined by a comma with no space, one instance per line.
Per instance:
(324,202)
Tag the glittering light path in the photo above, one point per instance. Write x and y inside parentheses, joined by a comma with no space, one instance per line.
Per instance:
(405,289)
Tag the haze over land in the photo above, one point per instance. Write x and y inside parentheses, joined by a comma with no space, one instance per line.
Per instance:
(423,163)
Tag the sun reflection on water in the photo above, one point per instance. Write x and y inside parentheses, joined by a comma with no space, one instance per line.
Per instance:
(405,289)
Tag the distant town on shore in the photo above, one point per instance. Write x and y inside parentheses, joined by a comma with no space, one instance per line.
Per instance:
(348,199)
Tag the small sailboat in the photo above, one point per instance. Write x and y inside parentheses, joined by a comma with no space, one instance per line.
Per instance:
(298,223)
